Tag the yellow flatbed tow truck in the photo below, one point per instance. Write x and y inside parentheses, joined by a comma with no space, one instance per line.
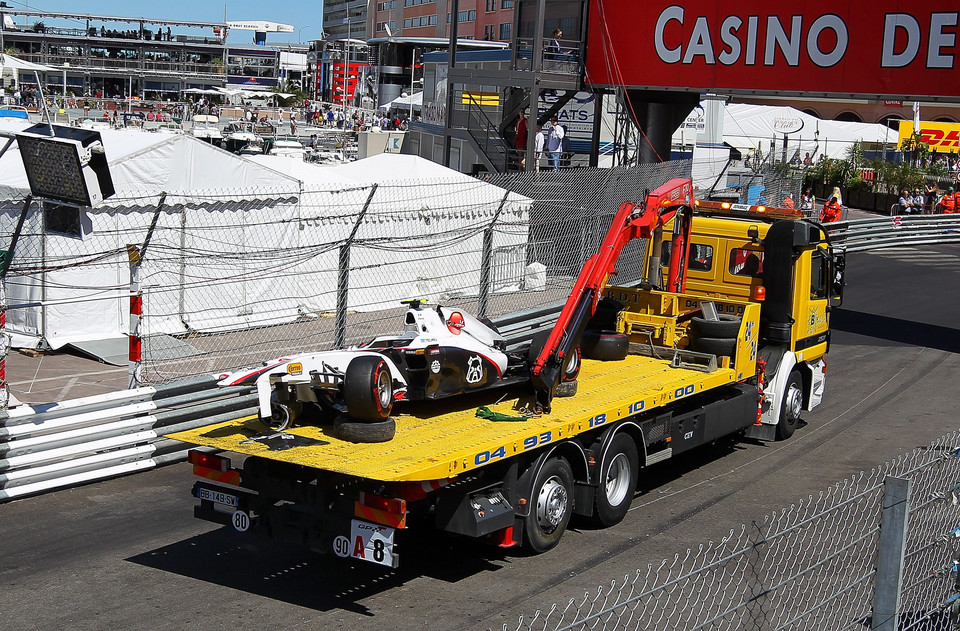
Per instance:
(514,464)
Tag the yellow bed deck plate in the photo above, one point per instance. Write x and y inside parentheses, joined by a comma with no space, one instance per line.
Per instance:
(437,440)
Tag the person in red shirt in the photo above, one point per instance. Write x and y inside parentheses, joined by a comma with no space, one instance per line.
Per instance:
(831,211)
(948,203)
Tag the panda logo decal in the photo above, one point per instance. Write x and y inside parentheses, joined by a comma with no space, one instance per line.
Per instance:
(474,369)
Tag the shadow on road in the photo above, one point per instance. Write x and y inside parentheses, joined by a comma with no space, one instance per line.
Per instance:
(896,330)
(296,575)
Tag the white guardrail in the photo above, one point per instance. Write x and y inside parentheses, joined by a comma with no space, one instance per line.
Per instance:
(43,448)
(46,447)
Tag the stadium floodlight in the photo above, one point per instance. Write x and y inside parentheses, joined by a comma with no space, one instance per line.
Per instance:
(66,164)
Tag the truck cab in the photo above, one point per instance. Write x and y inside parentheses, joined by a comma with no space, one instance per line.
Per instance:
(778,258)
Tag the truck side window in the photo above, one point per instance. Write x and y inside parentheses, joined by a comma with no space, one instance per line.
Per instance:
(699,260)
(818,275)
(745,262)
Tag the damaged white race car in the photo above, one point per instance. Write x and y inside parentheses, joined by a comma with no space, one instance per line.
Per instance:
(441,352)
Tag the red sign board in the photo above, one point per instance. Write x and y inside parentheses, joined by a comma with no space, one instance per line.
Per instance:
(882,48)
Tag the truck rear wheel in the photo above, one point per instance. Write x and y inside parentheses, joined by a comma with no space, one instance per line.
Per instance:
(552,500)
(368,389)
(618,481)
(791,404)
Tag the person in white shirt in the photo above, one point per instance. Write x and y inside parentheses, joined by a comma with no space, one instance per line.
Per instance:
(555,144)
(538,143)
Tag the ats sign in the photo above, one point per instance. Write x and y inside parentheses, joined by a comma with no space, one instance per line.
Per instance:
(883,47)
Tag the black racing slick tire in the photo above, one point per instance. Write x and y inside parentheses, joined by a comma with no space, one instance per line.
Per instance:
(719,346)
(566,389)
(791,404)
(551,506)
(618,481)
(604,345)
(368,389)
(726,326)
(365,432)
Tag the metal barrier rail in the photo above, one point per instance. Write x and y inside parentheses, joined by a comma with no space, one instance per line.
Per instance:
(861,235)
(47,447)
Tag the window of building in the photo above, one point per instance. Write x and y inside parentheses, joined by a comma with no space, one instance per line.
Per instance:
(491,5)
(505,31)
(488,32)
(506,4)
(433,20)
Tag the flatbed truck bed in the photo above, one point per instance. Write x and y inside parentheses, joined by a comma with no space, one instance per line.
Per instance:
(434,441)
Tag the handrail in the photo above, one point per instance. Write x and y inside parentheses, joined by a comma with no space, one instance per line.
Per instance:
(862,235)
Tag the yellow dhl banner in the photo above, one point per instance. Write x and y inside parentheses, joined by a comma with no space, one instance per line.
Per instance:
(942,137)
(481,98)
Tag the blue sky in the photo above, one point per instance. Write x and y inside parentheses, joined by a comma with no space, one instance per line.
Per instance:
(307,17)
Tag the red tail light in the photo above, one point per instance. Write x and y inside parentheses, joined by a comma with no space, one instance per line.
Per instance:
(210,461)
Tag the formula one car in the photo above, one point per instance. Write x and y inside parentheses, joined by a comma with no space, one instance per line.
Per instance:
(441,352)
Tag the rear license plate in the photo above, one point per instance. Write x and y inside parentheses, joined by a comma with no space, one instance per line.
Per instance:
(368,542)
(218,497)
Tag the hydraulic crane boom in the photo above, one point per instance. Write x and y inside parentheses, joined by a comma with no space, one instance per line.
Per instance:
(674,199)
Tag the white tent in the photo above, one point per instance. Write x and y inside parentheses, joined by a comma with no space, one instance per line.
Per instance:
(404,102)
(14,63)
(219,210)
(750,127)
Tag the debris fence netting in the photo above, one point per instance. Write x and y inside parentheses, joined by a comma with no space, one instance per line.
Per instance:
(810,566)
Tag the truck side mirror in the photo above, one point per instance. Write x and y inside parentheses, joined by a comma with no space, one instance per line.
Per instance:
(837,278)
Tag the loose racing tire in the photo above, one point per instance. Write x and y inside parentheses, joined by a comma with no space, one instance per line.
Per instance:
(605,315)
(552,499)
(571,369)
(368,389)
(719,346)
(618,481)
(791,404)
(365,432)
(566,389)
(726,326)
(604,345)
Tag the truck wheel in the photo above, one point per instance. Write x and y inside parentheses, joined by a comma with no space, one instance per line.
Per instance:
(726,326)
(718,346)
(791,404)
(367,432)
(368,389)
(604,345)
(571,370)
(552,508)
(566,389)
(618,481)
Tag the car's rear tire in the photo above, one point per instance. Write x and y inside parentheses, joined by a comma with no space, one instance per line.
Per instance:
(604,345)
(368,389)
(366,432)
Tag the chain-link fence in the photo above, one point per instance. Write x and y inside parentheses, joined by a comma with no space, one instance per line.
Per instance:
(815,565)
(233,278)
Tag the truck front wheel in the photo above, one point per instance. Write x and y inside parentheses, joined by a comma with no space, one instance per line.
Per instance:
(791,404)
(618,481)
(552,499)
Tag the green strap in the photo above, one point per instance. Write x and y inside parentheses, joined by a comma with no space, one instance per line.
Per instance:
(486,413)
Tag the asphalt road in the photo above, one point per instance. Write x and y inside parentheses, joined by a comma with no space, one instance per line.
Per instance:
(127,553)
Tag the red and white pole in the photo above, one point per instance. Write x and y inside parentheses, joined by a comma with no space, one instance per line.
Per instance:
(136,316)
(4,391)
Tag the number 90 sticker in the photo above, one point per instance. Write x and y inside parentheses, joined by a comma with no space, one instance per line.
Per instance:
(367,542)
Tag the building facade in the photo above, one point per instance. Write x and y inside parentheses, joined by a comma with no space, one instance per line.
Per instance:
(489,20)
